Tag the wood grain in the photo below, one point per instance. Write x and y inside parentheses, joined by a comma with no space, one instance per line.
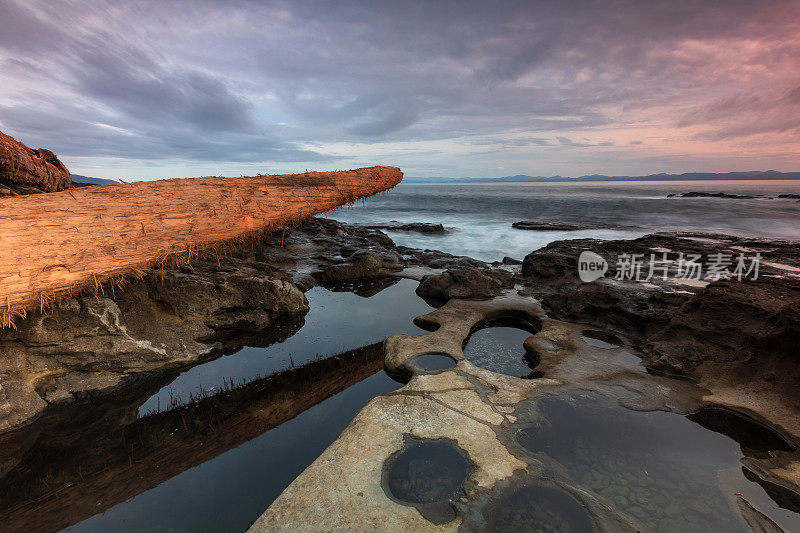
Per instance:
(53,245)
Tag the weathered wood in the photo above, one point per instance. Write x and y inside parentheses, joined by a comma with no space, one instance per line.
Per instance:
(53,245)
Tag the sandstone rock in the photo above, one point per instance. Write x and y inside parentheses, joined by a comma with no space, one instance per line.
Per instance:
(363,265)
(40,168)
(633,307)
(464,283)
(733,321)
(684,323)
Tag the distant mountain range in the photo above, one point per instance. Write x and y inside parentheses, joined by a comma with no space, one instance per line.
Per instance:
(522,178)
(95,181)
(688,176)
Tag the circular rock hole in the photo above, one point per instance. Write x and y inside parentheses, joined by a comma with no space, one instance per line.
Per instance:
(540,509)
(434,362)
(428,474)
(601,339)
(497,345)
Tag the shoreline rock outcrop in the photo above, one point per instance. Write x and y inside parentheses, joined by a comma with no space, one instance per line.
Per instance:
(735,340)
(179,316)
(463,283)
(25,167)
(418,227)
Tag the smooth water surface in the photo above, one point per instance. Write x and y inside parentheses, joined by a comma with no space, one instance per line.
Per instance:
(336,321)
(229,491)
(434,362)
(499,349)
(668,472)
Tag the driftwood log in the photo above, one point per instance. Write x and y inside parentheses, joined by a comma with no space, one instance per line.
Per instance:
(54,245)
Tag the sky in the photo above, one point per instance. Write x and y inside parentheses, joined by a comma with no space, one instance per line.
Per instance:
(142,89)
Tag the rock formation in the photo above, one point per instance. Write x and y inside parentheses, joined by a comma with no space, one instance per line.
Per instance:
(22,166)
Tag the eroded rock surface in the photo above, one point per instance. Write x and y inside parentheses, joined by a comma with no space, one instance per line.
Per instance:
(738,339)
(483,414)
(418,227)
(23,167)
(463,283)
(183,315)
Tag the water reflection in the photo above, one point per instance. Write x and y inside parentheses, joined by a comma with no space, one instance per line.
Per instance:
(218,462)
(659,467)
(336,321)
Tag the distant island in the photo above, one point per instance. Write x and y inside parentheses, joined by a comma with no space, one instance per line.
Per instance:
(688,176)
(94,181)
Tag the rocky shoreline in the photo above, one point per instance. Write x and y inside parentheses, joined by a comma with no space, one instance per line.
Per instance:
(180,316)
(735,342)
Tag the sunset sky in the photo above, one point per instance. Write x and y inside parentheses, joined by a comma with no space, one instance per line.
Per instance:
(464,88)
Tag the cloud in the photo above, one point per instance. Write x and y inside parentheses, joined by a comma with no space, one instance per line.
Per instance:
(747,114)
(236,80)
(564,141)
(129,80)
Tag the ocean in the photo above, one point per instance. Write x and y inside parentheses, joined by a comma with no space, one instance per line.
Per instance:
(479,216)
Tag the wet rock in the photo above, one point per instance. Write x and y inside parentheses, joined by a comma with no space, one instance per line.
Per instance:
(645,305)
(363,265)
(91,345)
(698,194)
(790,196)
(22,166)
(533,225)
(419,227)
(464,284)
(438,260)
(733,321)
(636,308)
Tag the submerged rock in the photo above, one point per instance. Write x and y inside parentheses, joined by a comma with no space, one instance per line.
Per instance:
(549,226)
(419,227)
(363,265)
(698,194)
